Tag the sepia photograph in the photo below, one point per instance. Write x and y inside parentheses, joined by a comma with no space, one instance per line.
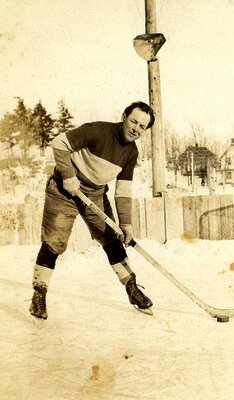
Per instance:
(117,199)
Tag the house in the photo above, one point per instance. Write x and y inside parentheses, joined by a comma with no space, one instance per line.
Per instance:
(195,160)
(227,165)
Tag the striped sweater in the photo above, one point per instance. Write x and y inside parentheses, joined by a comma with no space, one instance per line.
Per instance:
(96,153)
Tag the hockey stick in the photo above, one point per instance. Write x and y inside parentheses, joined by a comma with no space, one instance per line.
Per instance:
(222,314)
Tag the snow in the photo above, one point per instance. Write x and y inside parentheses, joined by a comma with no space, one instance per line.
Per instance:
(95,345)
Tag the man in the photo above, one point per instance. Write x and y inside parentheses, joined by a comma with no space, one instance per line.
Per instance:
(87,158)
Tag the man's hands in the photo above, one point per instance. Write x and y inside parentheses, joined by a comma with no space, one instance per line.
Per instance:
(127,233)
(71,185)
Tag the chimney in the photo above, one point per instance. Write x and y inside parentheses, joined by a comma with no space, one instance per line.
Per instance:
(232,141)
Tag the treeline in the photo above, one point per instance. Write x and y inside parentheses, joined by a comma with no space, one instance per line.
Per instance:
(33,126)
(177,142)
(24,127)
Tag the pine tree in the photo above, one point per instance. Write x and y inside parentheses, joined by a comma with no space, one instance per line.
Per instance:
(63,123)
(23,124)
(8,131)
(43,125)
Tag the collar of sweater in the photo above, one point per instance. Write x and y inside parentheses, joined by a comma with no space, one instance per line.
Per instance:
(120,135)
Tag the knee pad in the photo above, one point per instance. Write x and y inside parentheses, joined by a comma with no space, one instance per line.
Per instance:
(115,251)
(46,257)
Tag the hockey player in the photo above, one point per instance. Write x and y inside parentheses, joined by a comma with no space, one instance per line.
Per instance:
(87,158)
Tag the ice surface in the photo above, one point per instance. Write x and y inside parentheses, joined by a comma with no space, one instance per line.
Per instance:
(95,345)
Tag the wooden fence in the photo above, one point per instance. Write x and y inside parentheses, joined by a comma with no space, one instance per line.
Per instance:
(209,217)
(161,219)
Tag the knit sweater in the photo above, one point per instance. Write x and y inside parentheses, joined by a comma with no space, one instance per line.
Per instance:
(96,153)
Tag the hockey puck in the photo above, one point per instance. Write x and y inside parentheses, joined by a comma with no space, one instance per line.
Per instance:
(223,319)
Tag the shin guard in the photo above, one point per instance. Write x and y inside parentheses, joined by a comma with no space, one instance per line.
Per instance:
(123,271)
(41,276)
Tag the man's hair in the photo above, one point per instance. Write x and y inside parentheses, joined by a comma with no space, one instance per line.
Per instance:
(144,107)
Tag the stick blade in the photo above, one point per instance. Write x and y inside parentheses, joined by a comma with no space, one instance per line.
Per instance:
(223,318)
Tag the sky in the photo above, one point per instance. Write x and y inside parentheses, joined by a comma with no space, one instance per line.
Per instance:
(82,51)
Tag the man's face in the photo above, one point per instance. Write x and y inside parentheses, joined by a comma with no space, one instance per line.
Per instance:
(135,124)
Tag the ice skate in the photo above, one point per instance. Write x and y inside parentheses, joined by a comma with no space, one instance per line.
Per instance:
(136,297)
(38,305)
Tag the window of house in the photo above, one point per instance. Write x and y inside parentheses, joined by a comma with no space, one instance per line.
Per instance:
(228,175)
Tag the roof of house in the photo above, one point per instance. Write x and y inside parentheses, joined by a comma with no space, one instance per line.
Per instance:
(198,152)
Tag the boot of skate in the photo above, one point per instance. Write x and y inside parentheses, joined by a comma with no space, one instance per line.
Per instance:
(136,296)
(41,278)
(128,278)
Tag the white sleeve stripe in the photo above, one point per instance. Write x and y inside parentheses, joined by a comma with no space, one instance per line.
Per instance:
(123,188)
(61,142)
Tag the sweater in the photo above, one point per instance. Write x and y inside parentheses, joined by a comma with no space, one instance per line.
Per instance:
(96,153)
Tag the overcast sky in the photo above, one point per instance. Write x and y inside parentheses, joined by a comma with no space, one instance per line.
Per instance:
(81,51)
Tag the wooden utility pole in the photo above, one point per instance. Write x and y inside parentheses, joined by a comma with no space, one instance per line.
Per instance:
(157,134)
(211,177)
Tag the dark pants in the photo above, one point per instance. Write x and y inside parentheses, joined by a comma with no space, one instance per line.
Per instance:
(60,211)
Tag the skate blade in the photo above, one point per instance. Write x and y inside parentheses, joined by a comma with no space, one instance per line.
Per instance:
(146,311)
(39,322)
